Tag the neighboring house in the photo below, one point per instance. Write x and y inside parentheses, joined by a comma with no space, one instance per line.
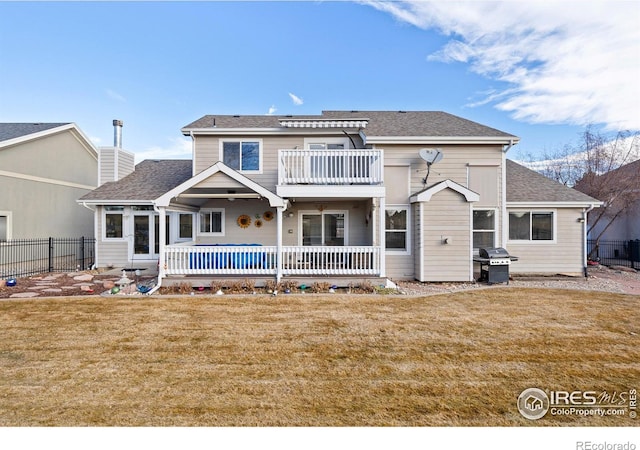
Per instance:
(344,193)
(626,226)
(44,169)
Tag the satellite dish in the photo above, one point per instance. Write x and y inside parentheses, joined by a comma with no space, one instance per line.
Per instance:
(431,155)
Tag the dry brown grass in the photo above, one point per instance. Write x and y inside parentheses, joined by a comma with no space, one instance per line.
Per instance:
(451,360)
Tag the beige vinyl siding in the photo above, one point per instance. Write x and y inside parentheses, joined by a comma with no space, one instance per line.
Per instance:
(59,156)
(207,153)
(107,165)
(42,210)
(233,233)
(112,158)
(219,180)
(126,163)
(562,257)
(447,215)
(485,180)
(110,252)
(46,177)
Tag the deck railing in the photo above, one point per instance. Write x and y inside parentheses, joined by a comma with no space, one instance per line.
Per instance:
(262,260)
(330,166)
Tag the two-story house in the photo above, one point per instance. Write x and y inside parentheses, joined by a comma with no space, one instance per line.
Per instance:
(385,194)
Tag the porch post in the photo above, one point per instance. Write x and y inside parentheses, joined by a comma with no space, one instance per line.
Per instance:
(382,235)
(279,243)
(163,239)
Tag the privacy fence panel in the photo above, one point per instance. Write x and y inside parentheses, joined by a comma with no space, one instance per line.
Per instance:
(24,257)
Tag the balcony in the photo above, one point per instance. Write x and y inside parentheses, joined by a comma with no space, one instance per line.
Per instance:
(335,167)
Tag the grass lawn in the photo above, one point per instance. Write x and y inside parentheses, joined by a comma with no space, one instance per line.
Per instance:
(449,360)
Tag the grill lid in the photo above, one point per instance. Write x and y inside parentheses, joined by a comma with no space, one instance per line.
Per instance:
(492,253)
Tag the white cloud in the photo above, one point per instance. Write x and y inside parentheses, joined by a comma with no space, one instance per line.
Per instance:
(272,110)
(177,148)
(296,100)
(564,62)
(116,96)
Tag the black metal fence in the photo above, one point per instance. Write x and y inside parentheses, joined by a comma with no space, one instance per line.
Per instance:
(24,257)
(615,253)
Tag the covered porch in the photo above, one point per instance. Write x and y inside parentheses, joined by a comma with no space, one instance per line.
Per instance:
(241,229)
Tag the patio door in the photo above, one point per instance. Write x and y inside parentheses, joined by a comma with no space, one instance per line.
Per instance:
(146,235)
(323,166)
(324,228)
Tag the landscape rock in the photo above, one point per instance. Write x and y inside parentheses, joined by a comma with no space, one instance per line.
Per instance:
(24,295)
(84,277)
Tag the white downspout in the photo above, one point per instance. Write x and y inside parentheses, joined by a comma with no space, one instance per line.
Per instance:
(279,225)
(504,236)
(584,238)
(381,231)
(162,212)
(95,231)
(421,245)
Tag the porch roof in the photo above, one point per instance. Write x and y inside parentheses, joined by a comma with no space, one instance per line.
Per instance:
(166,198)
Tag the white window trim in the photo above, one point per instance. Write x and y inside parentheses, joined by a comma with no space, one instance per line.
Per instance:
(124,213)
(260,153)
(9,216)
(495,226)
(407,250)
(222,222)
(554,214)
(315,212)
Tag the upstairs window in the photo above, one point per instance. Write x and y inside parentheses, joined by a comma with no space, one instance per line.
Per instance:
(531,226)
(244,156)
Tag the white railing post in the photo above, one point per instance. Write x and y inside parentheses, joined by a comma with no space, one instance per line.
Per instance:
(279,225)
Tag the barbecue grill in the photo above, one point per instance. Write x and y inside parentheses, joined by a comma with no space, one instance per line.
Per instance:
(494,264)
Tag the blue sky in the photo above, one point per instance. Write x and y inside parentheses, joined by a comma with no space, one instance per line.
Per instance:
(539,70)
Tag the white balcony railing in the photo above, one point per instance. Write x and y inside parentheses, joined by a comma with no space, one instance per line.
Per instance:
(262,260)
(330,167)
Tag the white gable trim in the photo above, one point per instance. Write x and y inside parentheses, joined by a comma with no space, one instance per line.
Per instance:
(165,199)
(426,195)
(80,136)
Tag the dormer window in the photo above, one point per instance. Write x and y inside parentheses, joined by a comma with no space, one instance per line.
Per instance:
(243,156)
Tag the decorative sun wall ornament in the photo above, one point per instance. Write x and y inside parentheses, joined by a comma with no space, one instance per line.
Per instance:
(244,221)
(258,223)
(267,215)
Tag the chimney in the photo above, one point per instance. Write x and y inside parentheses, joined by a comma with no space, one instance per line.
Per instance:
(117,133)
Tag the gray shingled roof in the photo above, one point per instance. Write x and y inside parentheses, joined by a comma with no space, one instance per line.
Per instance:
(150,179)
(381,123)
(15,130)
(526,185)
